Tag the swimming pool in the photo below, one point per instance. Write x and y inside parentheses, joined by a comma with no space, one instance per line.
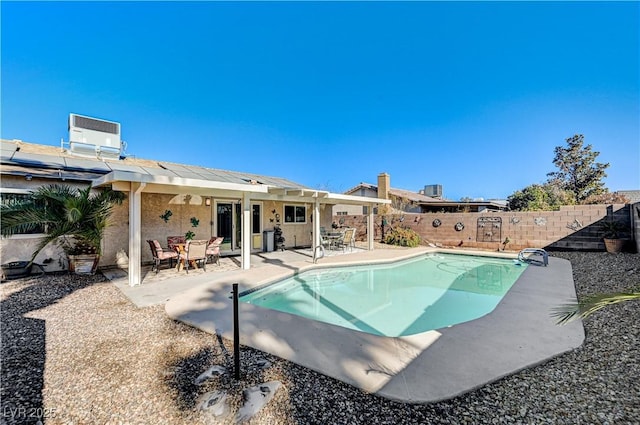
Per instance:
(425,367)
(429,292)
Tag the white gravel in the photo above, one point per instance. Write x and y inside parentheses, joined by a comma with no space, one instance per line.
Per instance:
(76,351)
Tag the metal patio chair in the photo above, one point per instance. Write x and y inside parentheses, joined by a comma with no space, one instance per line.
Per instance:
(160,254)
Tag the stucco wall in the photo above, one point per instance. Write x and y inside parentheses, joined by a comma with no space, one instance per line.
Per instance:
(573,227)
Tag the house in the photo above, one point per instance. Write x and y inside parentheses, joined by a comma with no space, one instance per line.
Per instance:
(633,196)
(411,202)
(164,199)
(404,200)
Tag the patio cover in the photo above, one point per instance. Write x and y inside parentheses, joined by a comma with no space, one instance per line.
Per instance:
(218,183)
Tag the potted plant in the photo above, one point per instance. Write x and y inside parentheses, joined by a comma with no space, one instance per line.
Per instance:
(74,218)
(613,230)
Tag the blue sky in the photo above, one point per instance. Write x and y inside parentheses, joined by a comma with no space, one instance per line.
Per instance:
(474,96)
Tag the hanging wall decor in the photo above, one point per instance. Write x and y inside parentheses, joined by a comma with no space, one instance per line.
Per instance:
(166,216)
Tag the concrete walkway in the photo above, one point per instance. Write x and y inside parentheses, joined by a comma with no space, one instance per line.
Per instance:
(421,368)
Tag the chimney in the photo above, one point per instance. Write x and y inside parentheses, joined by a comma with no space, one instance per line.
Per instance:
(384,182)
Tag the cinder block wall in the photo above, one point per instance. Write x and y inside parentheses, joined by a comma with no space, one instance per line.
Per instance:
(573,227)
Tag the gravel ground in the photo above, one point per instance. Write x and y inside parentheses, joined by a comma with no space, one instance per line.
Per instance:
(76,351)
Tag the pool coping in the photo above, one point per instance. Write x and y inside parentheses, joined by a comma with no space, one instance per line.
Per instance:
(421,368)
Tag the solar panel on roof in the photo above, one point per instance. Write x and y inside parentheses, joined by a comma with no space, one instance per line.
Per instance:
(48,161)
(202,172)
(206,174)
(172,167)
(118,166)
(189,175)
(49,173)
(86,165)
(215,176)
(7,149)
(197,172)
(231,176)
(159,172)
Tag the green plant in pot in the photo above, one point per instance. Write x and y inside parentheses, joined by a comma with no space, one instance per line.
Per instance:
(73,218)
(613,232)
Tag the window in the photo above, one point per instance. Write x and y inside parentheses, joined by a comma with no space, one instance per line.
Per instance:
(8,199)
(256,223)
(295,214)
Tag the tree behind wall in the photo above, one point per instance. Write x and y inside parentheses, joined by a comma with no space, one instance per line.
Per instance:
(535,197)
(578,172)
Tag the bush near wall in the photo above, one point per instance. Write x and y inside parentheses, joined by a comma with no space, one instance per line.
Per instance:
(573,227)
(402,236)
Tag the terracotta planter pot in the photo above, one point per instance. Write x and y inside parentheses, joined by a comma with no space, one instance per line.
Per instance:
(83,264)
(614,245)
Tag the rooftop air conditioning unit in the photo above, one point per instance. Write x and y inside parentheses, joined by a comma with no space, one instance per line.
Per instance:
(433,190)
(94,137)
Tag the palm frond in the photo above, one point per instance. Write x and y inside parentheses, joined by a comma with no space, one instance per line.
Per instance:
(568,312)
(66,213)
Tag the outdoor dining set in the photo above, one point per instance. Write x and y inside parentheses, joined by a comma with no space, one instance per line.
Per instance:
(196,253)
(338,238)
(191,253)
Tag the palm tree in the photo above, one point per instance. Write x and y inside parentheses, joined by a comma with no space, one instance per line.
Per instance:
(569,312)
(74,218)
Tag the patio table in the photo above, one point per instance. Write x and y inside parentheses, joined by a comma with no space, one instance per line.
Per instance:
(333,237)
(179,247)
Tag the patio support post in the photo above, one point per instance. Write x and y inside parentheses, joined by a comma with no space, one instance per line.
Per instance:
(370,229)
(135,256)
(316,225)
(246,231)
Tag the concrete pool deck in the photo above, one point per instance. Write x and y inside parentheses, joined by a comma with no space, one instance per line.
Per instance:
(421,368)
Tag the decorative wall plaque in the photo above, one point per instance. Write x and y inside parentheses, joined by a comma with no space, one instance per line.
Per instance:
(489,229)
(540,221)
(575,225)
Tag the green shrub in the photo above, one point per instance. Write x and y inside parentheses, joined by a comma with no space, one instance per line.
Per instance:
(402,237)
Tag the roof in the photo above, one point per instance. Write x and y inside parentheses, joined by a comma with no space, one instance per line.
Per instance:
(632,195)
(406,194)
(421,199)
(30,159)
(22,155)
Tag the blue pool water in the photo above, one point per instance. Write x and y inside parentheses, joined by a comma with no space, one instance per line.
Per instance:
(404,298)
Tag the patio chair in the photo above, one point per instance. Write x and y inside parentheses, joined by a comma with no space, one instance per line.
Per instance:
(172,241)
(352,242)
(347,239)
(160,254)
(213,249)
(194,251)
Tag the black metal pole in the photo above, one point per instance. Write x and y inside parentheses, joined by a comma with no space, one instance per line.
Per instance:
(236,334)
